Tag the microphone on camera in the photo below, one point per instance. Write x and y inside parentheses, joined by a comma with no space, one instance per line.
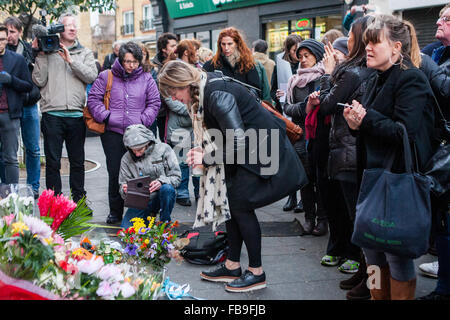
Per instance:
(39,30)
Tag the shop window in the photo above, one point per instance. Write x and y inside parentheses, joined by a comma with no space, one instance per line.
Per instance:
(276,33)
(204,38)
(323,24)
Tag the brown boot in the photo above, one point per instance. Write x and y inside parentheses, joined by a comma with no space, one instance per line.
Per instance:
(403,290)
(383,292)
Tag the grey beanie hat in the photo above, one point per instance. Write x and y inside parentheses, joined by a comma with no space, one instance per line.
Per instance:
(137,135)
(317,48)
(341,45)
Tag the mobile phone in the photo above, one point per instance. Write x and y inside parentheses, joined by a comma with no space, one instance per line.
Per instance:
(345,105)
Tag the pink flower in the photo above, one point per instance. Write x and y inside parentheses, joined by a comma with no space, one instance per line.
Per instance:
(9,219)
(104,289)
(110,272)
(90,266)
(45,202)
(62,207)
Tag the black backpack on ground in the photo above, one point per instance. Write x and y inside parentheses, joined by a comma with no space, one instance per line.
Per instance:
(205,248)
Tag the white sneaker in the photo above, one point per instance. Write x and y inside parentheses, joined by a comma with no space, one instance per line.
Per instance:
(430,269)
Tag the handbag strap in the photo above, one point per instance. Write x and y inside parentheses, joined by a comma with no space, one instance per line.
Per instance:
(107,96)
(406,152)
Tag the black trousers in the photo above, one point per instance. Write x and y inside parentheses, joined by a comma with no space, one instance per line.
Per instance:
(312,202)
(341,208)
(72,132)
(114,149)
(243,227)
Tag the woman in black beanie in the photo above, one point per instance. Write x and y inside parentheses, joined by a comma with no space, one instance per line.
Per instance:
(314,157)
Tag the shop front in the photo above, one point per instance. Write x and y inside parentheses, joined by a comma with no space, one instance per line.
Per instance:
(272,20)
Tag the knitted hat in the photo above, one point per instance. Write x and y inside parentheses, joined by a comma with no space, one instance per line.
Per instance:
(317,48)
(341,45)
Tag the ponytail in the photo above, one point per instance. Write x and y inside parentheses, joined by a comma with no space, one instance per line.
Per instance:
(416,58)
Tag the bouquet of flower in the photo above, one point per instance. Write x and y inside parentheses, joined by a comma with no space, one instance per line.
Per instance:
(151,244)
(63,215)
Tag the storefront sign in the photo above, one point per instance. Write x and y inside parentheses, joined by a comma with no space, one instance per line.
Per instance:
(185,8)
(303,23)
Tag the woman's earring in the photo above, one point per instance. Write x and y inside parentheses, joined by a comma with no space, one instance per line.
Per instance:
(398,63)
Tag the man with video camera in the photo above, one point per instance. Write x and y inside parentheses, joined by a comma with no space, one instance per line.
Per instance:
(62,77)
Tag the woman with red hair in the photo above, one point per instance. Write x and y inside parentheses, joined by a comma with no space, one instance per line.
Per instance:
(234,58)
(187,51)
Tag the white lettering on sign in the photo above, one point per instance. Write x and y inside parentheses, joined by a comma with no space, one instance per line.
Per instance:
(186,5)
(217,2)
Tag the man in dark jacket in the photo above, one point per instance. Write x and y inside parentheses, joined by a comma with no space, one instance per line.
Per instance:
(15,79)
(29,122)
(167,43)
(110,58)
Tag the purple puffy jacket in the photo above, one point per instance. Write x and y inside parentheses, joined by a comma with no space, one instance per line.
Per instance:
(134,99)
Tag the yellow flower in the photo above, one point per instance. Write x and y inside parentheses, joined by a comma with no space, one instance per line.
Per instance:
(147,241)
(138,223)
(19,227)
(48,240)
(151,222)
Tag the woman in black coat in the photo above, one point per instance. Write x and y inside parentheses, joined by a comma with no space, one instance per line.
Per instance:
(342,84)
(236,178)
(234,58)
(397,92)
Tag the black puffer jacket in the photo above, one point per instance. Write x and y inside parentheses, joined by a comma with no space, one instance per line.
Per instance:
(350,85)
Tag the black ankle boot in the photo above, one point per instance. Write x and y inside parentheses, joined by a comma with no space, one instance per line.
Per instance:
(320,229)
(291,202)
(299,207)
(309,225)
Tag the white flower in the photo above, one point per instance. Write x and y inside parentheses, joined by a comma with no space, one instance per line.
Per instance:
(37,226)
(90,266)
(127,290)
(28,201)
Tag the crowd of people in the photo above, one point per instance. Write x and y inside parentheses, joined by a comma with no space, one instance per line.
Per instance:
(347,93)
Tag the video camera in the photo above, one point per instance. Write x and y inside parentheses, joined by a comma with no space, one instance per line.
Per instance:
(48,40)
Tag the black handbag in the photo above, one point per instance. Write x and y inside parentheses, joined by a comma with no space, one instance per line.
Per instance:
(393,211)
(438,167)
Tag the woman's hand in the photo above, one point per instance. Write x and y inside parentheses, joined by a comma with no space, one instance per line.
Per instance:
(280,93)
(354,115)
(313,101)
(194,157)
(125,188)
(329,58)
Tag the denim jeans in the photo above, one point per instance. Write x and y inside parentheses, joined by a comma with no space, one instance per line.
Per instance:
(30,137)
(183,188)
(401,268)
(9,138)
(162,204)
(56,131)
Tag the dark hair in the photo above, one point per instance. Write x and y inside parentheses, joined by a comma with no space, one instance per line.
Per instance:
(14,22)
(133,48)
(394,29)
(357,56)
(260,45)
(163,40)
(291,40)
(3,28)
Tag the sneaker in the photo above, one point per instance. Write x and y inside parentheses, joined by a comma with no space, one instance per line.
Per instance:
(430,269)
(247,282)
(221,274)
(330,260)
(111,219)
(185,202)
(349,266)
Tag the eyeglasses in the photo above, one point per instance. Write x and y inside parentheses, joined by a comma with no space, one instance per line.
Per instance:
(3,39)
(135,62)
(444,19)
(71,25)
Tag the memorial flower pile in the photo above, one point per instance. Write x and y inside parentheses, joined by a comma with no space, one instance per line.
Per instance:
(152,243)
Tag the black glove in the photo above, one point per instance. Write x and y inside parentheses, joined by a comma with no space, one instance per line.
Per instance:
(5,77)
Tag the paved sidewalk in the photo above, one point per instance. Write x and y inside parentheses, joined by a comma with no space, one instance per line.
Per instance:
(292,264)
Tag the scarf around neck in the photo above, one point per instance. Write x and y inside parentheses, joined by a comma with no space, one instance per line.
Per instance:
(303,77)
(212,207)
